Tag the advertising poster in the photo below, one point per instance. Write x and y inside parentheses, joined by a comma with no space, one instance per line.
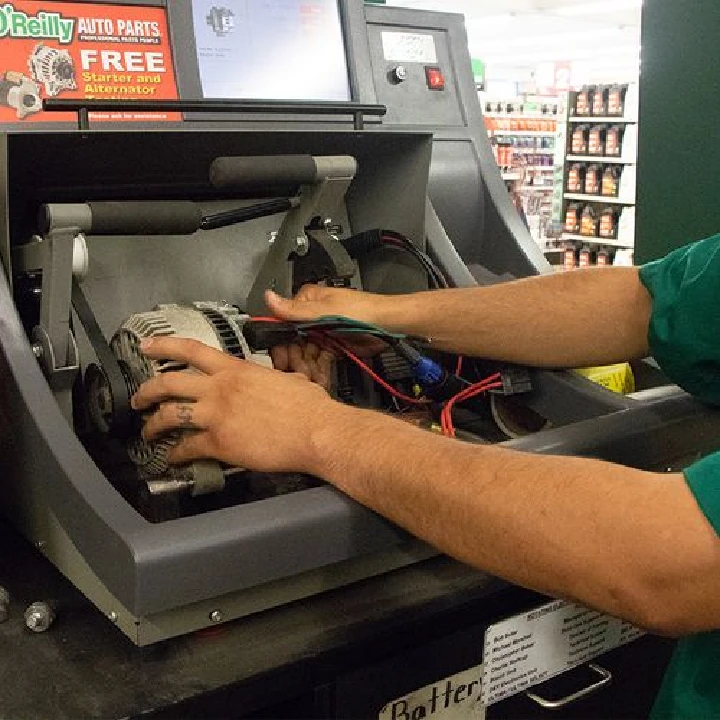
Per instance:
(82,50)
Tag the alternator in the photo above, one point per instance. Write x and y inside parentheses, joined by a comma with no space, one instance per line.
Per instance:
(52,68)
(20,93)
(215,324)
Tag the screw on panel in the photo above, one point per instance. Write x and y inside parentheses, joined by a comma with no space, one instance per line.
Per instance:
(39,617)
(112,616)
(216,616)
(301,245)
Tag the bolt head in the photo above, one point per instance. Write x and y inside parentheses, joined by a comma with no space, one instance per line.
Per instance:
(216,616)
(36,622)
(301,245)
(112,616)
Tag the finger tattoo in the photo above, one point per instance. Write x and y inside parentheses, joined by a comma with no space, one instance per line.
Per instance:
(185,416)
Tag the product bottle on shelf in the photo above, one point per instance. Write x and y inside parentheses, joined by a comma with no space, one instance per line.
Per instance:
(608,227)
(616,100)
(582,102)
(593,176)
(572,218)
(613,141)
(600,101)
(596,140)
(576,178)
(611,181)
(579,140)
(584,257)
(589,222)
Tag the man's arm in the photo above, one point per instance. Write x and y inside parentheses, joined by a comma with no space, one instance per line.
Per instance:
(541,321)
(631,543)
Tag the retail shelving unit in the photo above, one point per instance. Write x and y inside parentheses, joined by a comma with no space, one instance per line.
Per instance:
(597,201)
(525,145)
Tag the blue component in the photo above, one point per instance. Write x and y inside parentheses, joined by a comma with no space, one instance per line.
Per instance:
(428,372)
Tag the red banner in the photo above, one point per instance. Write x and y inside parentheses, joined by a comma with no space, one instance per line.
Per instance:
(71,50)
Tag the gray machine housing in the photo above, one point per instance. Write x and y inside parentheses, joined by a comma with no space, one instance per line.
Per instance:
(426,171)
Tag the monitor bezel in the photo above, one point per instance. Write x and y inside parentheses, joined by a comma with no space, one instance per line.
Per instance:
(187,68)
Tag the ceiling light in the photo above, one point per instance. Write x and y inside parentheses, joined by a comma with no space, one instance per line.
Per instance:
(597,8)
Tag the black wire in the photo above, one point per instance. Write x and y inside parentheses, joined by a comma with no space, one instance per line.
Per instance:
(434,273)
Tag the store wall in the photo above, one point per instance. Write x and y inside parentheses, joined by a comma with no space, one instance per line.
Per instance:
(679,149)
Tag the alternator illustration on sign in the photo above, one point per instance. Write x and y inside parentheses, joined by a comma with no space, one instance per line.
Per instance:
(56,49)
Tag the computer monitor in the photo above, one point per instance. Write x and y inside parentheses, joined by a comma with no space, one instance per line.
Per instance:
(267,49)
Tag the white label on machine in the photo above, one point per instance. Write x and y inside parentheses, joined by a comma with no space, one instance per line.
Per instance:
(454,698)
(409,47)
(535,646)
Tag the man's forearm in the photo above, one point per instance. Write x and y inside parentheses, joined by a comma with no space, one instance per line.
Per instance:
(578,319)
(599,533)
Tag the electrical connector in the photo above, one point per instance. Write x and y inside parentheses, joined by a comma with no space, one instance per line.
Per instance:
(515,381)
(264,335)
(436,382)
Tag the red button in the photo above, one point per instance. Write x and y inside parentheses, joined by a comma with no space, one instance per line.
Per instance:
(435,79)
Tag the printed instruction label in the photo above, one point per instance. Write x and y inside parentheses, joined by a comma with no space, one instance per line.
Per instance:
(409,47)
(453,698)
(530,648)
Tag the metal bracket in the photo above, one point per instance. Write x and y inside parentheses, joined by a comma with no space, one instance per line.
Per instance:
(325,259)
(319,199)
(60,377)
(53,341)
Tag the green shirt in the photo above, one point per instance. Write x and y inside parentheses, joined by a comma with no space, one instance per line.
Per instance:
(684,338)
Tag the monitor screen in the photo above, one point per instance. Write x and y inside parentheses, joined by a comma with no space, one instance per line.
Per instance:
(270,50)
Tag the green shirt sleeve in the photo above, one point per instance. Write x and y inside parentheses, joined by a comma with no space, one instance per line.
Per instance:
(703,479)
(684,338)
(684,333)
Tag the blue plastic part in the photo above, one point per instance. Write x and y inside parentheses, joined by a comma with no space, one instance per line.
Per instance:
(428,372)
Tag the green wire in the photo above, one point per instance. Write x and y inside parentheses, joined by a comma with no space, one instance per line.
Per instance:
(348,325)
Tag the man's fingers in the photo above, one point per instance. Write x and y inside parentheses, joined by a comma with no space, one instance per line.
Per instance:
(169,386)
(323,369)
(280,357)
(191,446)
(304,306)
(297,361)
(311,352)
(190,352)
(176,416)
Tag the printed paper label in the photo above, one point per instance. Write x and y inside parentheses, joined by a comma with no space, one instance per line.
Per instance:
(409,47)
(530,648)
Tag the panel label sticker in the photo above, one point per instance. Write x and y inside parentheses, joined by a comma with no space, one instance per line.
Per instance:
(409,47)
(453,698)
(528,649)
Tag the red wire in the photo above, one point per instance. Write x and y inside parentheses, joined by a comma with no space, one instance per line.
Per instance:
(447,426)
(324,337)
(446,422)
(458,367)
(489,383)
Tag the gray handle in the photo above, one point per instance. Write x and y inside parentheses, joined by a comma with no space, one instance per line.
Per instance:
(605,678)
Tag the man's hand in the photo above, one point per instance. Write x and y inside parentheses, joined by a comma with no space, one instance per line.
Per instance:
(314,301)
(310,303)
(235,411)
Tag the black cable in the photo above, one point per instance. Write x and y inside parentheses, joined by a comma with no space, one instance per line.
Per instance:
(239,215)
(432,270)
